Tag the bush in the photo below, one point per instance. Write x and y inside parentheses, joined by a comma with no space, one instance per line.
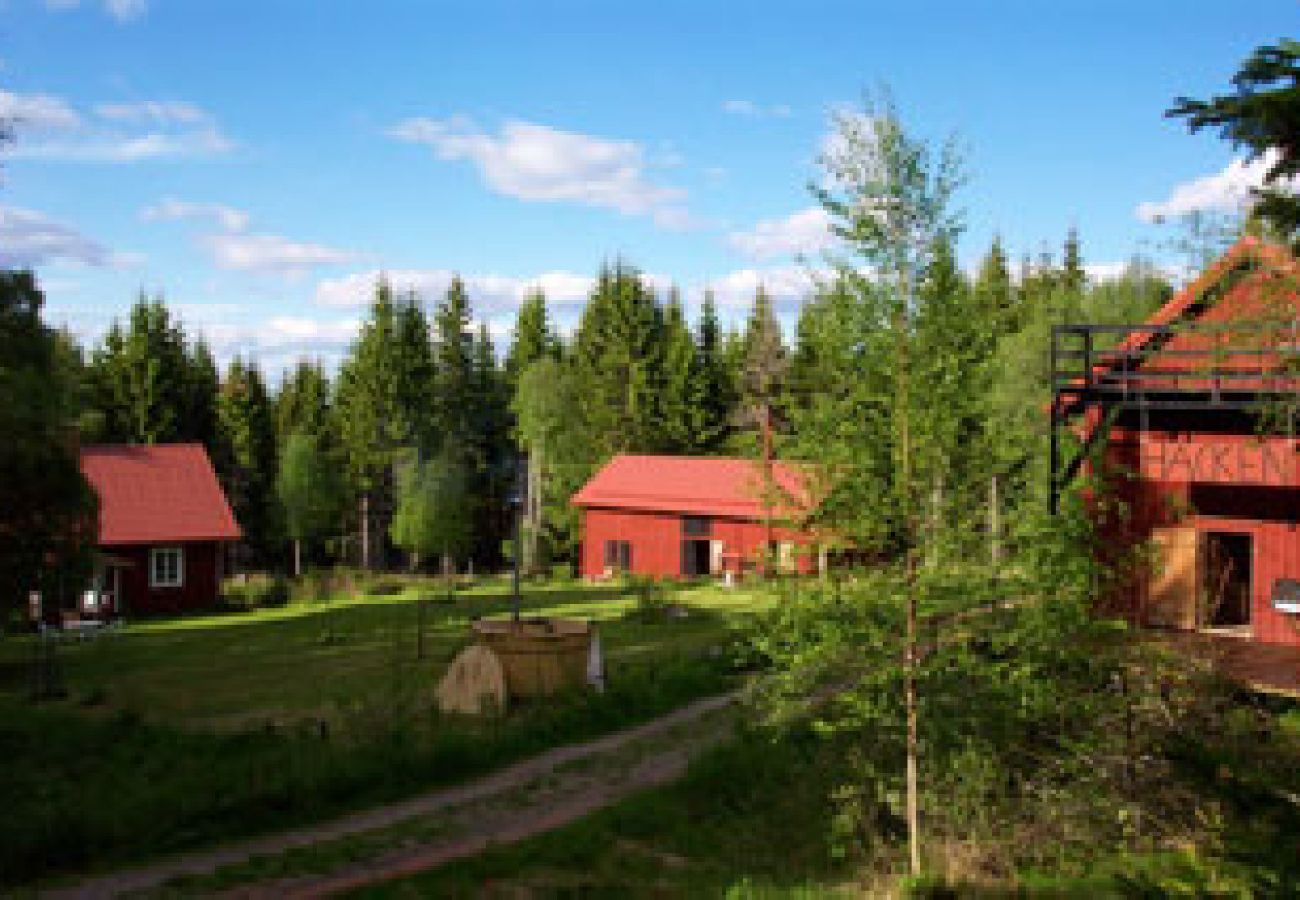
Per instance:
(255,591)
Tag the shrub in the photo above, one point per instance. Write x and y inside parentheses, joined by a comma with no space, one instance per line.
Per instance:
(255,591)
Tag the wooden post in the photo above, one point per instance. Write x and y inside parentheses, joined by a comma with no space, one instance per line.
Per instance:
(365,530)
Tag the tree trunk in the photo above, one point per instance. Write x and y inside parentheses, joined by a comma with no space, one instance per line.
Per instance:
(297,558)
(365,530)
(909,700)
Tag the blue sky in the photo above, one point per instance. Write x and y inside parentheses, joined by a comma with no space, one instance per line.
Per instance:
(259,162)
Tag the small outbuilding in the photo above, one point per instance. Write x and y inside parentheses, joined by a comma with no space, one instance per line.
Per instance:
(164,524)
(1192,413)
(684,517)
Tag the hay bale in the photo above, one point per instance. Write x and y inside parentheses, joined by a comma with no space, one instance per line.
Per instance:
(475,683)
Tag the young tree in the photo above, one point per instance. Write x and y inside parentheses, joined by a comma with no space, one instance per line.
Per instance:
(889,199)
(47,511)
(433,510)
(309,489)
(761,388)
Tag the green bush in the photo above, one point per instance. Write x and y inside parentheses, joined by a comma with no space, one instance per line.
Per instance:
(255,591)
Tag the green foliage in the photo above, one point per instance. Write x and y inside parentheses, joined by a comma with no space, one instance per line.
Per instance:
(533,338)
(148,385)
(248,437)
(309,487)
(433,511)
(255,591)
(1261,114)
(47,511)
(303,402)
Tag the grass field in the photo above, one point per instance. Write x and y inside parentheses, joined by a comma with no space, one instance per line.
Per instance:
(180,732)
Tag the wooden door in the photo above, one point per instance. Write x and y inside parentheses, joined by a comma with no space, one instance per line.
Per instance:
(1174,581)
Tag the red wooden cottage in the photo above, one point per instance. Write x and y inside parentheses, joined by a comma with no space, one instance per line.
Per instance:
(1183,405)
(677,516)
(163,521)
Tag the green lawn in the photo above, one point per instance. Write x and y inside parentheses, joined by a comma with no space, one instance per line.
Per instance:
(180,732)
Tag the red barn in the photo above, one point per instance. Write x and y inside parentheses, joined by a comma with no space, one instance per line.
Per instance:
(163,521)
(677,516)
(1183,405)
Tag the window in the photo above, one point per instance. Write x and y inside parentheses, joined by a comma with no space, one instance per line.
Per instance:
(166,567)
(697,526)
(618,555)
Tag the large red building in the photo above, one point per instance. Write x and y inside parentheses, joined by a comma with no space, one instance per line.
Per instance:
(163,524)
(1190,408)
(676,516)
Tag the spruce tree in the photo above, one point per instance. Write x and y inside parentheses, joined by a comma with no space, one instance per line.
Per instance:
(453,355)
(369,423)
(618,364)
(717,387)
(533,337)
(681,399)
(303,403)
(141,378)
(248,432)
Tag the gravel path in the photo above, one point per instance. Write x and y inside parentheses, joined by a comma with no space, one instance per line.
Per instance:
(522,800)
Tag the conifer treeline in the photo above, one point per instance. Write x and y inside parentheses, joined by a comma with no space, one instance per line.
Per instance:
(634,376)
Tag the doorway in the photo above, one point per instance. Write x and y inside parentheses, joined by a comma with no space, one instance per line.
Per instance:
(1227,579)
(697,557)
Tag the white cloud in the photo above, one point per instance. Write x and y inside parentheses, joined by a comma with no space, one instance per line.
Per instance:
(117,132)
(752,110)
(540,163)
(171,209)
(29,239)
(40,112)
(488,293)
(804,232)
(158,111)
(272,253)
(1228,190)
(788,286)
(122,10)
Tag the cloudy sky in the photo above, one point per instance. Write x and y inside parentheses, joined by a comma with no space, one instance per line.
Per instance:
(259,162)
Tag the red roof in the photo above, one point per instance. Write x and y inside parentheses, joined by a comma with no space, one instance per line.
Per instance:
(156,494)
(692,485)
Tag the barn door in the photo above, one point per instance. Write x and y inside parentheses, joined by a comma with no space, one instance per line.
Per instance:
(715,557)
(1174,581)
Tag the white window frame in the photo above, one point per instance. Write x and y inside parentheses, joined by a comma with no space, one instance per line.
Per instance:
(158,553)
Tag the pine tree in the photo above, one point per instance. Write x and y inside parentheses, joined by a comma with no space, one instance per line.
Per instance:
(681,398)
(533,337)
(993,288)
(1073,277)
(47,511)
(762,388)
(141,378)
(453,354)
(717,388)
(415,375)
(618,364)
(492,456)
(369,422)
(303,403)
(248,432)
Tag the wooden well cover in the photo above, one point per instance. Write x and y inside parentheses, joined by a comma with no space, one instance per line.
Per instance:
(1174,581)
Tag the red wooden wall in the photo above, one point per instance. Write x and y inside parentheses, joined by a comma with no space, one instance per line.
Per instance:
(1235,483)
(199,589)
(656,540)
